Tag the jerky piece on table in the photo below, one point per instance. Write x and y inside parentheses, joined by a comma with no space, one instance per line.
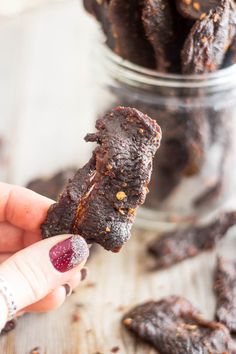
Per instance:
(209,38)
(100,202)
(51,187)
(176,246)
(225,290)
(100,10)
(196,9)
(128,31)
(174,326)
(158,21)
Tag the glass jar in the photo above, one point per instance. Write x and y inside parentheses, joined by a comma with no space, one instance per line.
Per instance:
(194,169)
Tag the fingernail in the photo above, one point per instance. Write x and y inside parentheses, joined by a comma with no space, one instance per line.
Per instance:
(84,273)
(68,289)
(69,253)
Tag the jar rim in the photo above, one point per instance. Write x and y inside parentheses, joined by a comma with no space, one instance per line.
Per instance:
(125,71)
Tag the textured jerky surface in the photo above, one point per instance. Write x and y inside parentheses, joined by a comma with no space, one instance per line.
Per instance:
(209,38)
(151,33)
(128,31)
(51,187)
(100,202)
(158,21)
(174,326)
(225,290)
(196,9)
(175,246)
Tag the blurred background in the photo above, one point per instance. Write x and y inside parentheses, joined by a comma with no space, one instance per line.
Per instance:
(47,87)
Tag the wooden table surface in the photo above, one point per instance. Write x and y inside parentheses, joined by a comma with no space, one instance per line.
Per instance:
(89,321)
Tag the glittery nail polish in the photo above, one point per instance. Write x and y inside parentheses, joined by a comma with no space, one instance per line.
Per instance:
(69,253)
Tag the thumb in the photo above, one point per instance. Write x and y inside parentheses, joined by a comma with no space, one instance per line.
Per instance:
(35,271)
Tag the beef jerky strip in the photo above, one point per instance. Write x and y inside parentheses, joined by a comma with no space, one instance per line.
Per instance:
(174,326)
(51,187)
(176,246)
(100,10)
(205,47)
(100,202)
(158,21)
(225,290)
(196,9)
(128,31)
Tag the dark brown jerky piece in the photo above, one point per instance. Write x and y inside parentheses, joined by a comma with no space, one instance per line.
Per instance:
(174,326)
(158,20)
(10,325)
(51,187)
(128,31)
(196,9)
(176,246)
(205,47)
(225,290)
(100,202)
(185,140)
(100,10)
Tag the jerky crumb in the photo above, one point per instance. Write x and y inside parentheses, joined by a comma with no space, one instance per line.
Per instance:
(115,349)
(90,284)
(75,317)
(9,326)
(120,195)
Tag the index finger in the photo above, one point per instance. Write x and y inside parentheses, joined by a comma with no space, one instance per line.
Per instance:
(22,207)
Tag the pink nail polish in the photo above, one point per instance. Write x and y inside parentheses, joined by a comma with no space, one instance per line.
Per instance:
(69,253)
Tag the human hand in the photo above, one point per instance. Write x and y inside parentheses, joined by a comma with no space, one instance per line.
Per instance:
(35,270)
